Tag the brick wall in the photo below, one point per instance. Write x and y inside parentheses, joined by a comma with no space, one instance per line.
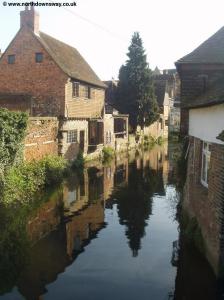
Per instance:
(44,81)
(16,103)
(206,204)
(81,107)
(41,138)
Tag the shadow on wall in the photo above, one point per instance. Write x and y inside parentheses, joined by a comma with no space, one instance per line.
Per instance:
(72,151)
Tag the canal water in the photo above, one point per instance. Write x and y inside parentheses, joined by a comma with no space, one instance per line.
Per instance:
(109,232)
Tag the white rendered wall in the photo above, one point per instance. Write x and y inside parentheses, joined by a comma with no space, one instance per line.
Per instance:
(207,123)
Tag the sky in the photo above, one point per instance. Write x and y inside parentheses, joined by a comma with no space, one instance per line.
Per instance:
(101,30)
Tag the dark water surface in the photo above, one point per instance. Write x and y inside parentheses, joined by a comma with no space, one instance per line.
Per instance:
(109,233)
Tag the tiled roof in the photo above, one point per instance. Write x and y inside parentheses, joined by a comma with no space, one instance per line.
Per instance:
(213,95)
(69,60)
(210,51)
(221,136)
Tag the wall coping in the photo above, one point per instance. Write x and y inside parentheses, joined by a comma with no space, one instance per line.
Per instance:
(43,119)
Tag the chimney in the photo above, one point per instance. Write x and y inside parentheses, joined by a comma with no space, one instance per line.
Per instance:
(30,18)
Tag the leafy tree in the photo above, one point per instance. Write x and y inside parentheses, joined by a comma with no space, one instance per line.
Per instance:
(135,92)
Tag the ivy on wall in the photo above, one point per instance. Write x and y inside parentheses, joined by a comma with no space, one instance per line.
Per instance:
(12,132)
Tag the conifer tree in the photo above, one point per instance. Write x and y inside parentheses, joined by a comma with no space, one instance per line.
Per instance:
(135,92)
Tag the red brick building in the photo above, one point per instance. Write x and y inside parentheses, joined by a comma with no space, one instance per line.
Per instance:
(48,78)
(202,103)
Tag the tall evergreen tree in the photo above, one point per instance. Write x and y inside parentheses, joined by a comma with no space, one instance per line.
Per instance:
(135,92)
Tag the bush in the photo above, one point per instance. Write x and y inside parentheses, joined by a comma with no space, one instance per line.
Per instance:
(23,181)
(79,162)
(108,153)
(160,140)
(54,167)
(149,140)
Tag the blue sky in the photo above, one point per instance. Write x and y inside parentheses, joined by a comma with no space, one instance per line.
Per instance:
(169,29)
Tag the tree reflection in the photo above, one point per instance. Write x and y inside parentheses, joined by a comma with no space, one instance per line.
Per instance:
(135,202)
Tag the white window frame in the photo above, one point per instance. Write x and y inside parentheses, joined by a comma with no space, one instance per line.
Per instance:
(72,136)
(206,153)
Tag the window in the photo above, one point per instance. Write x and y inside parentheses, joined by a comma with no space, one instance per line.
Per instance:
(108,137)
(86,92)
(206,154)
(72,136)
(39,57)
(11,59)
(75,89)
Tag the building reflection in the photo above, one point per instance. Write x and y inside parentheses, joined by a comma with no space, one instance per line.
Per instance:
(195,278)
(62,227)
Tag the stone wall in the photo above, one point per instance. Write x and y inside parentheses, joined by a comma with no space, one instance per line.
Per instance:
(41,138)
(206,204)
(70,150)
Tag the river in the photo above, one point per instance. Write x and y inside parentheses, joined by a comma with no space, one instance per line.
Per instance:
(109,232)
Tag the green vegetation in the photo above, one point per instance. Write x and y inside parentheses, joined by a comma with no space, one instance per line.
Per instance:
(160,140)
(135,92)
(108,153)
(149,140)
(12,132)
(19,180)
(22,182)
(78,163)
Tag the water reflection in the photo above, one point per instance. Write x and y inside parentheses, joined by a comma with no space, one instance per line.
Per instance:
(118,204)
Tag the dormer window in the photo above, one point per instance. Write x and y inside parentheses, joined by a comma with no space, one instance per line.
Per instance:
(75,89)
(39,57)
(11,59)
